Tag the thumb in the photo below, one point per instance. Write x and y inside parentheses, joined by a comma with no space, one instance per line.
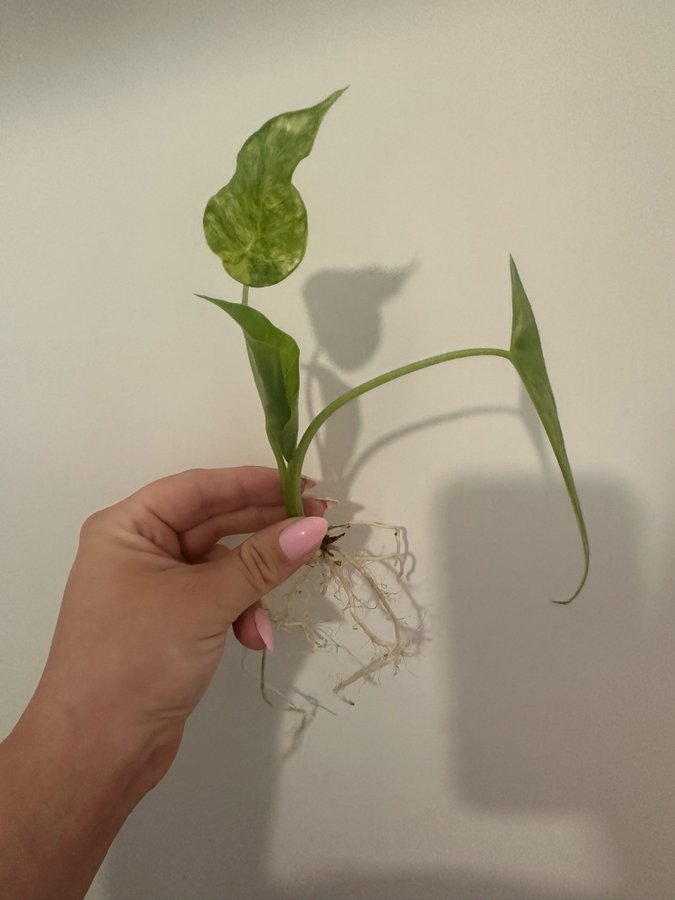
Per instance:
(266,559)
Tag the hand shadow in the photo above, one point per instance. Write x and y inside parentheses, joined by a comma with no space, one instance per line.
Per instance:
(202,832)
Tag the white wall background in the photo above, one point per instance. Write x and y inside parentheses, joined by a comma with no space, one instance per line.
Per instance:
(528,751)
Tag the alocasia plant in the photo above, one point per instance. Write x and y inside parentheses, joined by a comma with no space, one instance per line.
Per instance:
(257,225)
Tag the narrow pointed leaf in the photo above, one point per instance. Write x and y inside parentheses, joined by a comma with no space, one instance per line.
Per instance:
(274,357)
(527,356)
(257,223)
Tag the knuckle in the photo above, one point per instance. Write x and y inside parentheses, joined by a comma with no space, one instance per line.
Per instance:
(91,524)
(98,522)
(258,570)
(196,471)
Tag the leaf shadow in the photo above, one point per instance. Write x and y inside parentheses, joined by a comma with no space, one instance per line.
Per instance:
(345,310)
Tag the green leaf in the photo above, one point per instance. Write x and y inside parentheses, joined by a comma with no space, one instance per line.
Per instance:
(527,356)
(274,357)
(257,223)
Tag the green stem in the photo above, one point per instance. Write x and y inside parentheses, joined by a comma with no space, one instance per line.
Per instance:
(292,477)
(292,493)
(281,462)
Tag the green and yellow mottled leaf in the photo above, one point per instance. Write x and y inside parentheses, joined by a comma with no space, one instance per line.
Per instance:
(274,358)
(257,223)
(527,356)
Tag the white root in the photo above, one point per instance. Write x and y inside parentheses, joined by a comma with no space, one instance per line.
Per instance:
(350,580)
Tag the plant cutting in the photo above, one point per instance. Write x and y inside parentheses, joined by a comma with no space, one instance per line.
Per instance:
(257,226)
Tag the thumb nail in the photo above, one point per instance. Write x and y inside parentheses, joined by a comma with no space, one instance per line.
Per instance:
(264,627)
(302,536)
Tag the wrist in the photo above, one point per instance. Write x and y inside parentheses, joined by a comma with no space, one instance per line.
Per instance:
(68,782)
(92,746)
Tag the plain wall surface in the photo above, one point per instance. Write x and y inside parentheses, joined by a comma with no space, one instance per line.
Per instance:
(527,750)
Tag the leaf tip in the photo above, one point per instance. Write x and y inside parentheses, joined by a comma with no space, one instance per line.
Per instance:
(515,277)
(568,601)
(332,98)
(584,578)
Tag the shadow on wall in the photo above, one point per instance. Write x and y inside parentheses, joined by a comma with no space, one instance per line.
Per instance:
(345,311)
(560,708)
(202,832)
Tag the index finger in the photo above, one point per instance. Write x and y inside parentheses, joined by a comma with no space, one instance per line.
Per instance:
(185,500)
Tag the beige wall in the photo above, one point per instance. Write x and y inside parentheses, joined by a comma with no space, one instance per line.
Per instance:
(527,752)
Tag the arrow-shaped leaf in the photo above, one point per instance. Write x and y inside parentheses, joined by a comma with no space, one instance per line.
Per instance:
(526,355)
(274,357)
(257,223)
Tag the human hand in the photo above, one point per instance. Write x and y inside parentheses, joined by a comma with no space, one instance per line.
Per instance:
(142,627)
(152,595)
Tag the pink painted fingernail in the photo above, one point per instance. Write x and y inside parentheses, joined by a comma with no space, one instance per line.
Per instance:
(302,536)
(264,627)
(329,501)
(307,482)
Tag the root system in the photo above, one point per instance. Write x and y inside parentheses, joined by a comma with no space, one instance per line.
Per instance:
(364,586)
